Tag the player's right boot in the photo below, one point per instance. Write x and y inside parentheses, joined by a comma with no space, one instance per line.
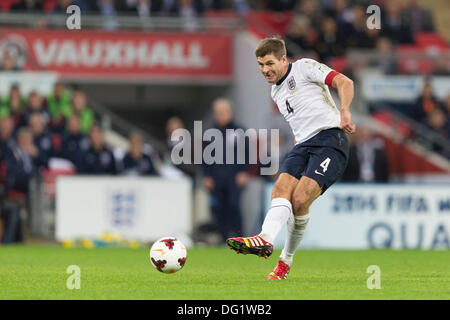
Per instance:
(280,271)
(251,245)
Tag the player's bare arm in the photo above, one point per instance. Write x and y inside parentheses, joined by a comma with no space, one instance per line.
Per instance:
(345,89)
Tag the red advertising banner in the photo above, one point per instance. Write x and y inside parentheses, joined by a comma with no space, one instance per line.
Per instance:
(121,55)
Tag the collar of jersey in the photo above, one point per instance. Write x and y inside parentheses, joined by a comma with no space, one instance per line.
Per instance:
(285,76)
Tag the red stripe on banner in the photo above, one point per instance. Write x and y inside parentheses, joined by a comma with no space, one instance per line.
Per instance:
(119,55)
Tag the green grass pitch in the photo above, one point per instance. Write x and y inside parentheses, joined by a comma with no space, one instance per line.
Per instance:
(35,272)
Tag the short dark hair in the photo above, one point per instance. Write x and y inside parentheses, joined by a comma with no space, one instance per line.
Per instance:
(273,45)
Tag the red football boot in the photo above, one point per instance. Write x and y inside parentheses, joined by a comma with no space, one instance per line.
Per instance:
(251,245)
(280,271)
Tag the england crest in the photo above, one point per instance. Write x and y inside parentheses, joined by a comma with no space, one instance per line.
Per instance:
(291,83)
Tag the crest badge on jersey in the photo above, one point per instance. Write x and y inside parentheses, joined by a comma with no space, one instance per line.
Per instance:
(291,83)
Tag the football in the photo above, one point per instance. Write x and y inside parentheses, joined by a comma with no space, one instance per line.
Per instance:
(168,255)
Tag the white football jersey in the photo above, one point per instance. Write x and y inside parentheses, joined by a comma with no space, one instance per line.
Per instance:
(304,99)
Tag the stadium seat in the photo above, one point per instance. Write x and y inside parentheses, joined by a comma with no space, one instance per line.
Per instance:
(413,59)
(430,40)
(388,119)
(6,4)
(338,63)
(266,23)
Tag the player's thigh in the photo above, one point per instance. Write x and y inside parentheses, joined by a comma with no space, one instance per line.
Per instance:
(284,186)
(326,166)
(306,191)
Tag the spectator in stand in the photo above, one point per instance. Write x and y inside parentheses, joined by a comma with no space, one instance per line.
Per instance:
(367,159)
(41,138)
(225,181)
(136,162)
(7,142)
(329,42)
(418,18)
(35,105)
(98,159)
(74,143)
(173,124)
(447,106)
(385,59)
(438,122)
(79,107)
(58,103)
(13,105)
(341,13)
(28,6)
(392,24)
(441,66)
(8,62)
(62,5)
(299,32)
(425,104)
(189,10)
(312,10)
(281,5)
(22,163)
(359,36)
(107,8)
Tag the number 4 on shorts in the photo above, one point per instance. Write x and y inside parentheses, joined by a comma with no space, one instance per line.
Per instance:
(325,164)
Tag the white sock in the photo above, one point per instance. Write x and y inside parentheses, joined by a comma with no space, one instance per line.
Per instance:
(279,212)
(295,229)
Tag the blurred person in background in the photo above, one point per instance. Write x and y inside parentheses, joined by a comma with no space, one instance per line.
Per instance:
(384,59)
(225,181)
(425,103)
(13,104)
(447,106)
(311,9)
(417,17)
(35,105)
(41,138)
(439,123)
(7,141)
(441,65)
(298,32)
(329,42)
(57,102)
(392,24)
(22,163)
(74,143)
(367,159)
(174,123)
(28,6)
(79,107)
(281,5)
(98,159)
(8,62)
(136,162)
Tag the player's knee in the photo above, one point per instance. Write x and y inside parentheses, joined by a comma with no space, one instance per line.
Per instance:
(281,192)
(300,204)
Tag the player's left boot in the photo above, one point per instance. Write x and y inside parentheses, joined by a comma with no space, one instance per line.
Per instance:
(251,245)
(280,271)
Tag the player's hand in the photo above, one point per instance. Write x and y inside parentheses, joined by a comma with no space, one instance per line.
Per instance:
(346,122)
(208,183)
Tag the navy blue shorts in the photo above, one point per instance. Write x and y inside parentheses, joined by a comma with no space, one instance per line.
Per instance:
(322,158)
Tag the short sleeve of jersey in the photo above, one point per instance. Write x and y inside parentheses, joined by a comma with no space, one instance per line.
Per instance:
(316,72)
